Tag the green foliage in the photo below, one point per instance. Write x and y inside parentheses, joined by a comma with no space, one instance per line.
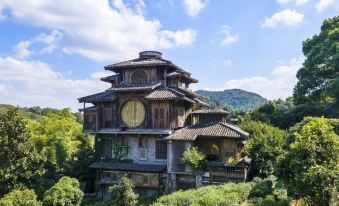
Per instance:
(83,158)
(16,197)
(227,194)
(284,114)
(235,98)
(20,163)
(264,146)
(194,158)
(55,136)
(319,73)
(262,188)
(310,166)
(122,194)
(65,192)
(267,192)
(119,153)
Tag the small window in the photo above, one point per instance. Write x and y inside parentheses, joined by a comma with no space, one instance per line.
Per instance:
(160,149)
(108,149)
(139,77)
(124,141)
(142,142)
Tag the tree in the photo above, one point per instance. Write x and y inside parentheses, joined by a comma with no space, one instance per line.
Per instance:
(321,66)
(310,166)
(65,192)
(193,157)
(264,146)
(55,137)
(24,197)
(122,194)
(20,163)
(284,114)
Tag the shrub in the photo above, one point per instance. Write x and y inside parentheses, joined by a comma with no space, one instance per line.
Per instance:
(122,194)
(230,194)
(193,157)
(261,187)
(24,197)
(65,192)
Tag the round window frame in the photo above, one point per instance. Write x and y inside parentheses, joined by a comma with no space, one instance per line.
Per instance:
(121,108)
(143,70)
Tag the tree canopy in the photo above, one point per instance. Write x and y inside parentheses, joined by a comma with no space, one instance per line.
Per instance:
(311,164)
(318,78)
(20,163)
(264,146)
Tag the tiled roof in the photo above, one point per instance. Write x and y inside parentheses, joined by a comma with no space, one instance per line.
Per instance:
(109,78)
(94,108)
(214,129)
(210,111)
(135,87)
(102,96)
(200,102)
(180,74)
(136,167)
(188,91)
(141,62)
(165,94)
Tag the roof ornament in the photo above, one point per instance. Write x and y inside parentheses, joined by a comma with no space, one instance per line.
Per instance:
(150,54)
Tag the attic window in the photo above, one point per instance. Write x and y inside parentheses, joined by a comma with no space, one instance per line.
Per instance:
(139,77)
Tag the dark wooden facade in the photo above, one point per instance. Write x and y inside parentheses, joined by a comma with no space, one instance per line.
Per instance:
(139,117)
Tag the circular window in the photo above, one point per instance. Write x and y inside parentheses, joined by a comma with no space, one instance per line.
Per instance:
(133,113)
(139,76)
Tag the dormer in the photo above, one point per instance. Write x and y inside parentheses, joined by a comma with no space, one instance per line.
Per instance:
(206,115)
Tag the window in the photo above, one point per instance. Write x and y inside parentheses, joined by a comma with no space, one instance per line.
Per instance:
(108,149)
(133,113)
(160,149)
(139,77)
(142,142)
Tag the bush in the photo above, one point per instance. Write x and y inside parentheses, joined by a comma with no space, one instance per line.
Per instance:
(261,187)
(230,194)
(193,157)
(122,194)
(24,197)
(65,192)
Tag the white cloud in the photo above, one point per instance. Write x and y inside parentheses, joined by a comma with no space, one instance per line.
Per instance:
(286,17)
(36,83)
(280,86)
(228,37)
(324,4)
(194,7)
(296,2)
(101,30)
(227,62)
(21,49)
(50,40)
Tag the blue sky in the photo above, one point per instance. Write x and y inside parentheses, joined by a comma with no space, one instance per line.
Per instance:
(52,52)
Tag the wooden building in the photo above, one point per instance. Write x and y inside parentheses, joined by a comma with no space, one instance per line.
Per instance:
(145,120)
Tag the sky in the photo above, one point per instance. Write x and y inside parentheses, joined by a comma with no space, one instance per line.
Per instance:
(53,52)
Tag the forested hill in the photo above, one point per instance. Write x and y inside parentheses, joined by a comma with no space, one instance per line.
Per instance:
(235,98)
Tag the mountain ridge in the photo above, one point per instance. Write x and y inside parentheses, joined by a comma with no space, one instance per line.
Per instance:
(234,98)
